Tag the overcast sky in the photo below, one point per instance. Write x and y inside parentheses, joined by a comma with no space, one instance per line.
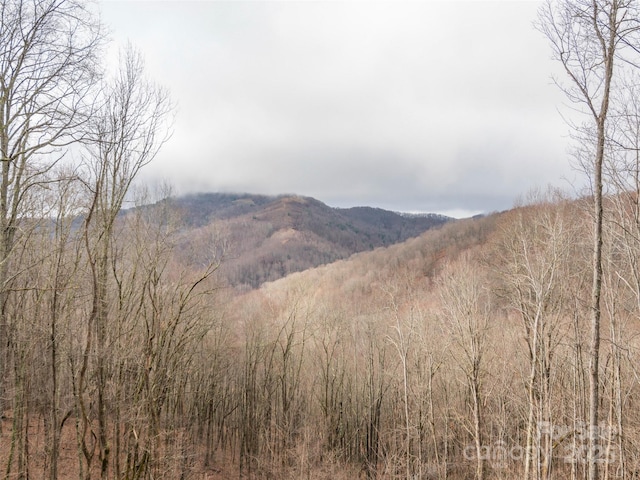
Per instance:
(413,106)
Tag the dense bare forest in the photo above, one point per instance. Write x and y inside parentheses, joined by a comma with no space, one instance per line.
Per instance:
(492,348)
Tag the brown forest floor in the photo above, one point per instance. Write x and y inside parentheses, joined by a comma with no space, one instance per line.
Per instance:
(221,468)
(68,459)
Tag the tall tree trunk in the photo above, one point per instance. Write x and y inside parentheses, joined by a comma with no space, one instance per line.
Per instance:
(596,290)
(585,36)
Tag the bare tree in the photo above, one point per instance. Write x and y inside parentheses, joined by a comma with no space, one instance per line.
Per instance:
(535,249)
(126,134)
(402,341)
(58,274)
(465,316)
(48,65)
(593,40)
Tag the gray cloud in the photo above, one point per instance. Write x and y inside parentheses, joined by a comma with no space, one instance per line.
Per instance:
(441,106)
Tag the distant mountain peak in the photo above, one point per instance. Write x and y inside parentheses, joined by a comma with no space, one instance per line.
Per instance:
(272,236)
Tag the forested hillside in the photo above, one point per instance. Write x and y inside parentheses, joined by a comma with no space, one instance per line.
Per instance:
(456,352)
(499,347)
(460,353)
(267,238)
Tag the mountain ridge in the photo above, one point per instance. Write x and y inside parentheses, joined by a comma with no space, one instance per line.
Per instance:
(269,237)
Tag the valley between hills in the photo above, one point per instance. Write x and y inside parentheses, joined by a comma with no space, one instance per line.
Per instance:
(275,337)
(236,336)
